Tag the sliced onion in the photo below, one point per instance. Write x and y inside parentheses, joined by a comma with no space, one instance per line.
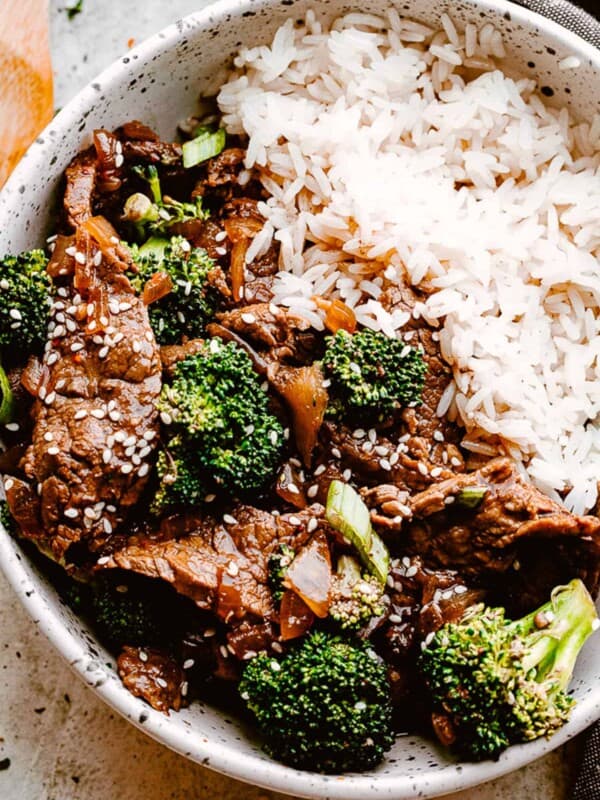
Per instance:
(242,228)
(107,239)
(306,397)
(338,316)
(60,263)
(295,617)
(158,286)
(309,575)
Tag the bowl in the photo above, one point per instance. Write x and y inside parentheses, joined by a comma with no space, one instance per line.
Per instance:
(158,82)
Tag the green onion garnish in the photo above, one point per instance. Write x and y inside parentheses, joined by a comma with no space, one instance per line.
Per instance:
(205,146)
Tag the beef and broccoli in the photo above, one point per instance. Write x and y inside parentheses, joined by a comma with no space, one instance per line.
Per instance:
(243,503)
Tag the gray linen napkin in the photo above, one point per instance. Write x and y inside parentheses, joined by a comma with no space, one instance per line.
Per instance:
(587,785)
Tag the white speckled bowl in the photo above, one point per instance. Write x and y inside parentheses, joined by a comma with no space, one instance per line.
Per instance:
(158,82)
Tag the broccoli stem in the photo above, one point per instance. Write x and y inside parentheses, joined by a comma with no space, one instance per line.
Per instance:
(7,402)
(568,619)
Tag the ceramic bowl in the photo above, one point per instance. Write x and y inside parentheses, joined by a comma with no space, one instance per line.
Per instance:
(159,82)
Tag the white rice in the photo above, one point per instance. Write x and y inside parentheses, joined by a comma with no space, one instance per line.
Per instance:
(395,152)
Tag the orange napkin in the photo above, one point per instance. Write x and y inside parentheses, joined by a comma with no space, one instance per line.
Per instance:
(26,100)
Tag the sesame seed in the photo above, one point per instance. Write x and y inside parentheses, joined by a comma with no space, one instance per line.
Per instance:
(102,561)
(8,484)
(233,569)
(220,236)
(52,359)
(145,451)
(422,468)
(149,435)
(42,393)
(59,331)
(107,525)
(273,437)
(436,472)
(359,433)
(385,464)
(120,436)
(312,525)
(149,337)
(347,474)
(312,491)
(449,500)
(119,160)
(77,346)
(395,619)
(4,284)
(89,513)
(159,681)
(82,414)
(166,419)
(127,468)
(460,589)
(354,368)
(71,513)
(209,498)
(335,452)
(114,415)
(394,458)
(53,451)
(106,455)
(319,470)
(438,436)
(229,520)
(136,346)
(411,572)
(372,434)
(70,251)
(143,470)
(129,441)
(111,509)
(129,451)
(223,650)
(49,436)
(277,647)
(12,426)
(456,462)
(248,318)
(220,251)
(98,413)
(295,520)
(381,450)
(104,320)
(103,352)
(123,306)
(118,338)
(143,655)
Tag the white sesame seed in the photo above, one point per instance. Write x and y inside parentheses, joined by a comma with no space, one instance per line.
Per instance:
(273,437)
(248,318)
(79,258)
(436,472)
(188,663)
(126,468)
(411,572)
(106,455)
(456,462)
(42,393)
(4,284)
(115,415)
(359,433)
(145,451)
(223,650)
(129,441)
(460,589)
(295,520)
(107,525)
(111,508)
(82,414)
(312,491)
(136,346)
(143,655)
(53,451)
(381,450)
(372,434)
(312,525)
(120,436)
(209,498)
(71,513)
(118,338)
(354,368)
(319,470)
(220,236)
(98,413)
(394,458)
(103,352)
(347,474)
(395,619)
(220,251)
(233,569)
(119,161)
(70,251)
(159,681)
(385,464)
(49,436)
(422,468)
(123,306)
(143,470)
(52,359)
(8,484)
(104,320)
(129,451)
(102,561)
(77,346)
(89,513)
(335,452)
(449,500)
(12,426)
(438,436)
(166,419)
(229,520)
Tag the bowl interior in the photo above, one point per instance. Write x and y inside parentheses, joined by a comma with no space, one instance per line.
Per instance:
(159,82)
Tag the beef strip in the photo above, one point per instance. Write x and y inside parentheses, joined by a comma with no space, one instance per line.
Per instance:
(172,354)
(154,676)
(225,167)
(222,567)
(487,540)
(95,414)
(81,182)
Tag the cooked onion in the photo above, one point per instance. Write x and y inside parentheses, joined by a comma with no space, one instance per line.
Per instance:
(338,316)
(309,575)
(159,285)
(295,617)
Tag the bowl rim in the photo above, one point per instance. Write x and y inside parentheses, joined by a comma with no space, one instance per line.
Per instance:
(223,758)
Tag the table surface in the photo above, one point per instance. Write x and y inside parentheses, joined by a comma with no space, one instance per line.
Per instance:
(58,741)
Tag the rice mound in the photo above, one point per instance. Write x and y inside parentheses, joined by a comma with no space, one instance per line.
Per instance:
(393,152)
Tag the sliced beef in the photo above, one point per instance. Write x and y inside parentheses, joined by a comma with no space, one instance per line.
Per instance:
(154,676)
(95,414)
(172,354)
(487,539)
(152,151)
(225,167)
(286,336)
(79,191)
(221,566)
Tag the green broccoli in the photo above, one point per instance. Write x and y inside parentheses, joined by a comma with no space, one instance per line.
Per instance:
(498,682)
(220,420)
(191,302)
(7,519)
(278,564)
(372,373)
(150,217)
(324,706)
(181,482)
(356,598)
(24,303)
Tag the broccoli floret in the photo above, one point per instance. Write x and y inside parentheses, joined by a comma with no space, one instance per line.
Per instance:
(24,303)
(191,302)
(356,598)
(498,682)
(324,706)
(278,564)
(7,519)
(128,614)
(181,482)
(156,216)
(372,373)
(219,412)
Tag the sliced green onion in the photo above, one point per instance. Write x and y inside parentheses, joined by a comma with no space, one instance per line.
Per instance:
(7,403)
(203,147)
(346,512)
(471,496)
